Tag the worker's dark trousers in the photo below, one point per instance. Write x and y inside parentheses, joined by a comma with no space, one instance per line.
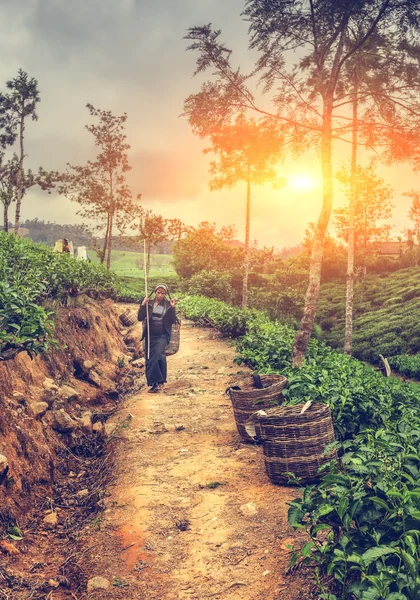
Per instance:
(156,365)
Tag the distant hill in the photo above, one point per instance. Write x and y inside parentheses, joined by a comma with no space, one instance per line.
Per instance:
(235,244)
(49,233)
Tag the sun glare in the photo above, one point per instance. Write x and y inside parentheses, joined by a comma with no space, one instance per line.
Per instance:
(301,182)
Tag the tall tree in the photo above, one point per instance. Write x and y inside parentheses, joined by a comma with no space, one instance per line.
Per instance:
(381,81)
(11,183)
(176,229)
(348,333)
(7,133)
(248,151)
(17,105)
(372,208)
(152,229)
(413,235)
(8,187)
(324,35)
(205,248)
(100,186)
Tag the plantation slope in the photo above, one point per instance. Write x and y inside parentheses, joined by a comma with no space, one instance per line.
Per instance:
(386,311)
(370,501)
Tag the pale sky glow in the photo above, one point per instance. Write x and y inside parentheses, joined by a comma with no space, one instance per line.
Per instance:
(302,182)
(129,56)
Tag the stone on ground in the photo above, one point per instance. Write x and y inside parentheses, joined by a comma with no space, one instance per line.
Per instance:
(97,583)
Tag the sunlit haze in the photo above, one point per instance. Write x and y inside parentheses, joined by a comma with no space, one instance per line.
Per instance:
(301,182)
(130,56)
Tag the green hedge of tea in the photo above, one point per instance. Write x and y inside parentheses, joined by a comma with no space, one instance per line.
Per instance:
(363,518)
(31,273)
(386,315)
(406,365)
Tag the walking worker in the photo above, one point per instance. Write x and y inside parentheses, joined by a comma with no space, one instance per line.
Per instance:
(162,316)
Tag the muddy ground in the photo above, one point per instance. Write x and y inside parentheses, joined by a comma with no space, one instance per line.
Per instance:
(191,513)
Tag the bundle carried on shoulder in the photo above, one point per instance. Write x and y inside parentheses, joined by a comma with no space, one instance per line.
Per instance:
(256,392)
(294,441)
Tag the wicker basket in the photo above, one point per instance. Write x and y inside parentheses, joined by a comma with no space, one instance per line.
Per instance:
(174,343)
(248,398)
(295,443)
(173,346)
(128,318)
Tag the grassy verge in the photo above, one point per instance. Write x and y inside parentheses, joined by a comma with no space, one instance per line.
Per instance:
(130,264)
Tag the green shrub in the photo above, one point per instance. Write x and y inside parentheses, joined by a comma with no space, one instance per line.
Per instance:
(31,273)
(280,303)
(410,294)
(213,284)
(406,365)
(363,517)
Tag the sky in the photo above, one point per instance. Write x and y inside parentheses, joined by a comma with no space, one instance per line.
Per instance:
(129,56)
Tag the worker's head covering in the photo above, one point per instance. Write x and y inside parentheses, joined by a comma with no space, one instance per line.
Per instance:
(163,286)
(65,240)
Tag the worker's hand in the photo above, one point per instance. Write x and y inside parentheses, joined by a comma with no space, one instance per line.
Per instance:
(172,302)
(145,301)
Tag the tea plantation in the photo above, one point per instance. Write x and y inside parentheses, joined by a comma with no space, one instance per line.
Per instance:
(386,311)
(363,518)
(31,275)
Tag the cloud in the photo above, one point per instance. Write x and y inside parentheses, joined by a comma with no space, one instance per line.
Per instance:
(169,175)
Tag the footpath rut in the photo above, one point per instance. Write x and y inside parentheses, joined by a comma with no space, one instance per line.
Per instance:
(192,514)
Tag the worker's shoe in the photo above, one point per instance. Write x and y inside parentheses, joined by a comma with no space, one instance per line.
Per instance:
(154,389)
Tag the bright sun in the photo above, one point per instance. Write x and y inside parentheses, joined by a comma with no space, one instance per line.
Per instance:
(301,182)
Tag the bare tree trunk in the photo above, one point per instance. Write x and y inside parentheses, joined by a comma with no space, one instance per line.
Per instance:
(364,254)
(109,242)
(149,250)
(348,336)
(5,217)
(19,179)
(111,222)
(306,325)
(104,247)
(246,256)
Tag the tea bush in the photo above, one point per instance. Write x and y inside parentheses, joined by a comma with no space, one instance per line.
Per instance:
(386,315)
(406,365)
(31,273)
(213,284)
(363,518)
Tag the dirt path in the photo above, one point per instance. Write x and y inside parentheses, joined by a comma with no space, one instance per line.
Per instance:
(192,514)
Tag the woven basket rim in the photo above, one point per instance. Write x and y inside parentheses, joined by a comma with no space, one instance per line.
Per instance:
(280,412)
(248,389)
